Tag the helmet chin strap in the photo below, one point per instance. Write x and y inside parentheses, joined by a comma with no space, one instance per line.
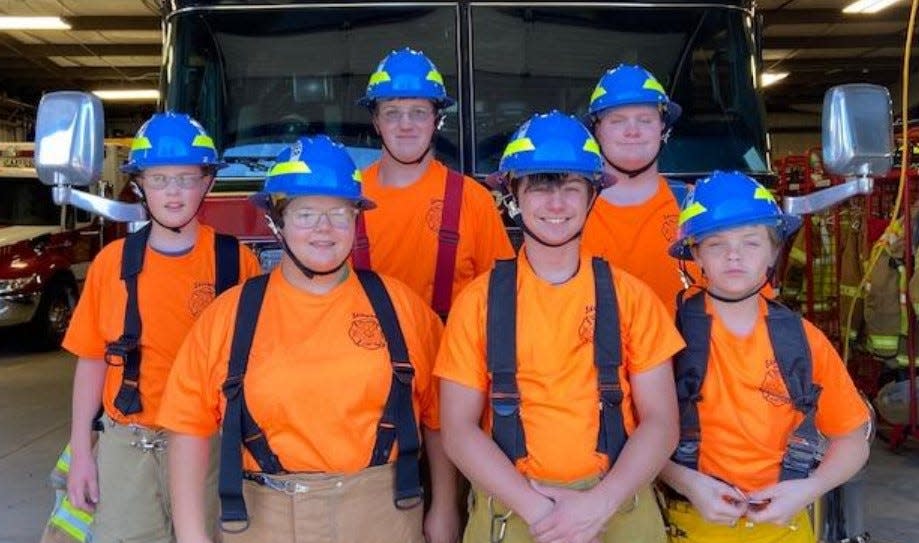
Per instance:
(414,162)
(513,211)
(437,126)
(665,135)
(309,273)
(175,229)
(769,274)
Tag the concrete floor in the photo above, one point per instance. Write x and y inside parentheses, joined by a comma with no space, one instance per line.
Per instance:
(34,425)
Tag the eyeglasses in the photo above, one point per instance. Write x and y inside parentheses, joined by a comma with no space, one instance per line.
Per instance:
(416,115)
(158,181)
(338,217)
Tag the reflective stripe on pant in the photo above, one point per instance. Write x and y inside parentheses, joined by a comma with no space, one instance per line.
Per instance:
(637,521)
(327,508)
(134,487)
(688,526)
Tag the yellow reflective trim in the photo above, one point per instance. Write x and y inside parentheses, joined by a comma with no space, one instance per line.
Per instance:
(691,211)
(282,168)
(435,76)
(357,176)
(78,513)
(378,77)
(848,290)
(798,255)
(598,92)
(72,531)
(591,146)
(519,145)
(762,193)
(140,143)
(653,84)
(876,342)
(202,140)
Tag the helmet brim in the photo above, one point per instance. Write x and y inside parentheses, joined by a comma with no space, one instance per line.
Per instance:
(261,199)
(133,168)
(787,227)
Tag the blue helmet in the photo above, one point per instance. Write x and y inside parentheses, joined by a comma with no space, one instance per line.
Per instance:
(406,73)
(314,166)
(171,139)
(628,85)
(552,143)
(728,200)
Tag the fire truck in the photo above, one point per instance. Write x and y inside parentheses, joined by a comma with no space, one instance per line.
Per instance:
(258,74)
(45,250)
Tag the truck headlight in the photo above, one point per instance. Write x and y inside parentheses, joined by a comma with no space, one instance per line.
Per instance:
(8,286)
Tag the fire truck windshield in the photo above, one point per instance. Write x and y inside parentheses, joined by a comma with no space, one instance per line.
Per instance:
(260,76)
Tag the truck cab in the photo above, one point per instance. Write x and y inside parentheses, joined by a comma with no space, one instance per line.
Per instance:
(45,250)
(259,74)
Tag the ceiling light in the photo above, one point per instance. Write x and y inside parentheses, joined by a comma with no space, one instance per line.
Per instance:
(868,6)
(128,94)
(33,23)
(771,78)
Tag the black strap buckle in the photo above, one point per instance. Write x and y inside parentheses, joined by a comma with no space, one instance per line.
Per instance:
(232,386)
(124,346)
(404,371)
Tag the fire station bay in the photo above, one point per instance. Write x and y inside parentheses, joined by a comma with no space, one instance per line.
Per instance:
(265,265)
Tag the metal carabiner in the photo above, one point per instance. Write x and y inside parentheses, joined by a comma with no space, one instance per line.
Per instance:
(498,528)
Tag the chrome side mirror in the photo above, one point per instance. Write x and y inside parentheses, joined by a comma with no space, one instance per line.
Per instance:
(857,143)
(857,130)
(69,152)
(68,139)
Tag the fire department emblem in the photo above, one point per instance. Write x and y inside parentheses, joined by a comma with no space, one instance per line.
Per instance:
(773,386)
(201,296)
(669,228)
(365,332)
(434,215)
(586,329)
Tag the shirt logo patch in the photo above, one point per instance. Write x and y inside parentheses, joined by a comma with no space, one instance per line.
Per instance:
(434,215)
(773,386)
(669,228)
(365,332)
(586,329)
(201,297)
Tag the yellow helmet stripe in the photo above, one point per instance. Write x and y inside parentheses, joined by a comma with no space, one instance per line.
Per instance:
(435,76)
(762,193)
(357,176)
(598,92)
(202,140)
(591,146)
(378,77)
(693,210)
(140,143)
(653,84)
(282,168)
(519,145)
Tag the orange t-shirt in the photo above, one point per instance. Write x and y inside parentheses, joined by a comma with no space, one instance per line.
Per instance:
(171,292)
(555,366)
(403,230)
(318,376)
(746,415)
(636,239)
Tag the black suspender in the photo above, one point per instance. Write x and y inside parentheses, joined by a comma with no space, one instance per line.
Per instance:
(127,347)
(501,353)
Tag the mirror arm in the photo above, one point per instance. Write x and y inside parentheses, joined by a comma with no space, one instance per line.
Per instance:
(822,199)
(109,209)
